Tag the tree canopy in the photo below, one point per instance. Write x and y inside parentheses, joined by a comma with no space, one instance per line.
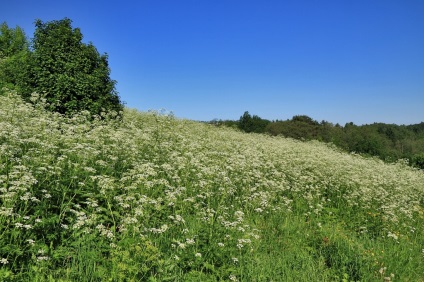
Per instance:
(71,75)
(249,123)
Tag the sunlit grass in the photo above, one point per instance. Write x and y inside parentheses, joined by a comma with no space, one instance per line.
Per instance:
(154,198)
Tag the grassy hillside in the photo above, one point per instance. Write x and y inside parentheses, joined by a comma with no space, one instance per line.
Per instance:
(153,198)
(389,142)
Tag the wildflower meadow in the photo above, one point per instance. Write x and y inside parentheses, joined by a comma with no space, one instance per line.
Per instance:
(149,197)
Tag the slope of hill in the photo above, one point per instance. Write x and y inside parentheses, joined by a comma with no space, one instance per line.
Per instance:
(153,198)
(389,142)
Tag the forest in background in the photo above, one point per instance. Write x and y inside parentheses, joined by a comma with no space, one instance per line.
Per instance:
(389,142)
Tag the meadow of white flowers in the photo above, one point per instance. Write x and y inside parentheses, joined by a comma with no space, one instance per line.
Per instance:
(154,197)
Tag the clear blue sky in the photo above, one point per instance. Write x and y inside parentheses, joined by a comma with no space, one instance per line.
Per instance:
(340,61)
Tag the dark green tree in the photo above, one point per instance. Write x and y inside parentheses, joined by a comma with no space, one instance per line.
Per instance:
(418,160)
(246,122)
(305,119)
(72,75)
(253,123)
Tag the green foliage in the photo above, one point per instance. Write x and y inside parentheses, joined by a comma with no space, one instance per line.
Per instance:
(299,127)
(245,122)
(418,160)
(12,41)
(389,142)
(134,259)
(343,258)
(14,54)
(304,119)
(72,76)
(253,123)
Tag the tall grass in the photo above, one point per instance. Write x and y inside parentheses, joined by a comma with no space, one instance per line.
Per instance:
(154,198)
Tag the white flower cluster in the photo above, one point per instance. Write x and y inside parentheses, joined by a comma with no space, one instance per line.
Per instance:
(154,176)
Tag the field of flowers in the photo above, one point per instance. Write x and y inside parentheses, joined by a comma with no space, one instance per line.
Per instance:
(155,198)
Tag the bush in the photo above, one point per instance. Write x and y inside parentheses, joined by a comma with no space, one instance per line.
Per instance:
(418,160)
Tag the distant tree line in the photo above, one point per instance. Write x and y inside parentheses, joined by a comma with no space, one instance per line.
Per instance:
(389,142)
(72,76)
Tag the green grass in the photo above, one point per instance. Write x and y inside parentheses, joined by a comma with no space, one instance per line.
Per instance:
(154,198)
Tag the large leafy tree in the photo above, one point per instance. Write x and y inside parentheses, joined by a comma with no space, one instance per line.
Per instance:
(72,74)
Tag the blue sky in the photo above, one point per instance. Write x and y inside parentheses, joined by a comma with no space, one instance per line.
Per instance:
(340,61)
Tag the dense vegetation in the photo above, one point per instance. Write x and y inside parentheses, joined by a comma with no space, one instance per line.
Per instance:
(72,76)
(87,197)
(389,142)
(153,198)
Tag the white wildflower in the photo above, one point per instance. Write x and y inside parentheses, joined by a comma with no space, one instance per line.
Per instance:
(31,242)
(242,242)
(190,241)
(41,258)
(6,211)
(109,235)
(392,235)
(239,214)
(34,199)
